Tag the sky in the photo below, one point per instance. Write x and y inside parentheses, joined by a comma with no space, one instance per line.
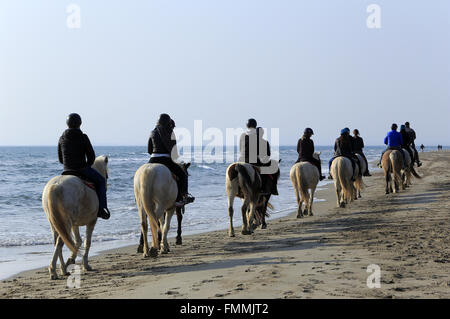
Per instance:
(289,64)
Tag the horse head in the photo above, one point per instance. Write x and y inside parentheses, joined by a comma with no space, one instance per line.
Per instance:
(101,165)
(316,155)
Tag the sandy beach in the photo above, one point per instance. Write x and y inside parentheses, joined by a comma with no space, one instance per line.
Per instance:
(324,256)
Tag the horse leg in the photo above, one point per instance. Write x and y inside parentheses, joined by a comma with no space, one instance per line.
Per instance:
(142,215)
(76,232)
(165,244)
(301,200)
(153,252)
(144,231)
(299,203)
(264,224)
(87,245)
(230,215)
(179,220)
(245,221)
(140,248)
(56,253)
(311,199)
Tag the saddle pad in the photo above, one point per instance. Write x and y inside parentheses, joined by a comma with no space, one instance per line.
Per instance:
(80,176)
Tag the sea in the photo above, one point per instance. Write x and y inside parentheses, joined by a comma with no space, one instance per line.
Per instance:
(25,236)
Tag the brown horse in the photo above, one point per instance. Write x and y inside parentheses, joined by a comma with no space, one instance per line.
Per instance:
(392,163)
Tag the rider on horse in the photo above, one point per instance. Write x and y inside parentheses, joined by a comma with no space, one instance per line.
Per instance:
(344,147)
(394,141)
(412,138)
(162,149)
(305,150)
(76,153)
(358,145)
(406,145)
(255,150)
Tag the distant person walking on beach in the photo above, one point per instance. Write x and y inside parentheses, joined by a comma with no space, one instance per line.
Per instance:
(358,145)
(305,150)
(76,153)
(422,147)
(412,138)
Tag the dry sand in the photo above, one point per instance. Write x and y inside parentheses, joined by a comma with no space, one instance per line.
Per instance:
(324,256)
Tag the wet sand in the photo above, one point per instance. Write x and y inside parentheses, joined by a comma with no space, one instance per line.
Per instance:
(324,256)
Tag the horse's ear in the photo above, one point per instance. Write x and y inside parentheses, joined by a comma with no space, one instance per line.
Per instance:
(106,159)
(279,161)
(187,165)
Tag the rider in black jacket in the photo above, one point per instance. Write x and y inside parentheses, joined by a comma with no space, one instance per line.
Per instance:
(162,148)
(305,150)
(76,153)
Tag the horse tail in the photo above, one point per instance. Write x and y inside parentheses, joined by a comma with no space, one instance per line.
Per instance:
(249,188)
(413,171)
(303,186)
(346,181)
(397,164)
(58,220)
(145,187)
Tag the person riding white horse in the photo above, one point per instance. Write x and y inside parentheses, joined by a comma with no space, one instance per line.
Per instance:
(68,201)
(75,152)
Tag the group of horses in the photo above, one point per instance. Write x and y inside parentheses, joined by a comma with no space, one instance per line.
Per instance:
(69,202)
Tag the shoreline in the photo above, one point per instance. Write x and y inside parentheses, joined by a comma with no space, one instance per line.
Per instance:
(324,256)
(126,245)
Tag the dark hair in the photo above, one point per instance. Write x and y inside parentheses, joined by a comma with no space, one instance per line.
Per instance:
(356,132)
(73,120)
(251,123)
(407,124)
(164,119)
(394,127)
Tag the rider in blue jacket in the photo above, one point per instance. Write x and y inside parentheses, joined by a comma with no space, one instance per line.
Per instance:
(394,141)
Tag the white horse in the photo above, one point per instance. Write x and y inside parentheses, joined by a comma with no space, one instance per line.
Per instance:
(245,177)
(392,163)
(155,189)
(342,173)
(69,203)
(305,177)
(358,183)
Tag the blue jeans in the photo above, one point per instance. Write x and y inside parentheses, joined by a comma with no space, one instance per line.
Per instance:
(99,182)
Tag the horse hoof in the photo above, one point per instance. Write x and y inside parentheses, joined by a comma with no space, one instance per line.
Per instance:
(53,277)
(246,232)
(263,226)
(231,234)
(342,205)
(87,268)
(140,249)
(299,215)
(179,241)
(311,214)
(153,252)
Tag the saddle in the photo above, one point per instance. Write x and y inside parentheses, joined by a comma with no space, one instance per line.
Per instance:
(232,174)
(85,180)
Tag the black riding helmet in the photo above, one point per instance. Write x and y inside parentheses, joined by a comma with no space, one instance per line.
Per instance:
(251,123)
(73,120)
(394,127)
(308,131)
